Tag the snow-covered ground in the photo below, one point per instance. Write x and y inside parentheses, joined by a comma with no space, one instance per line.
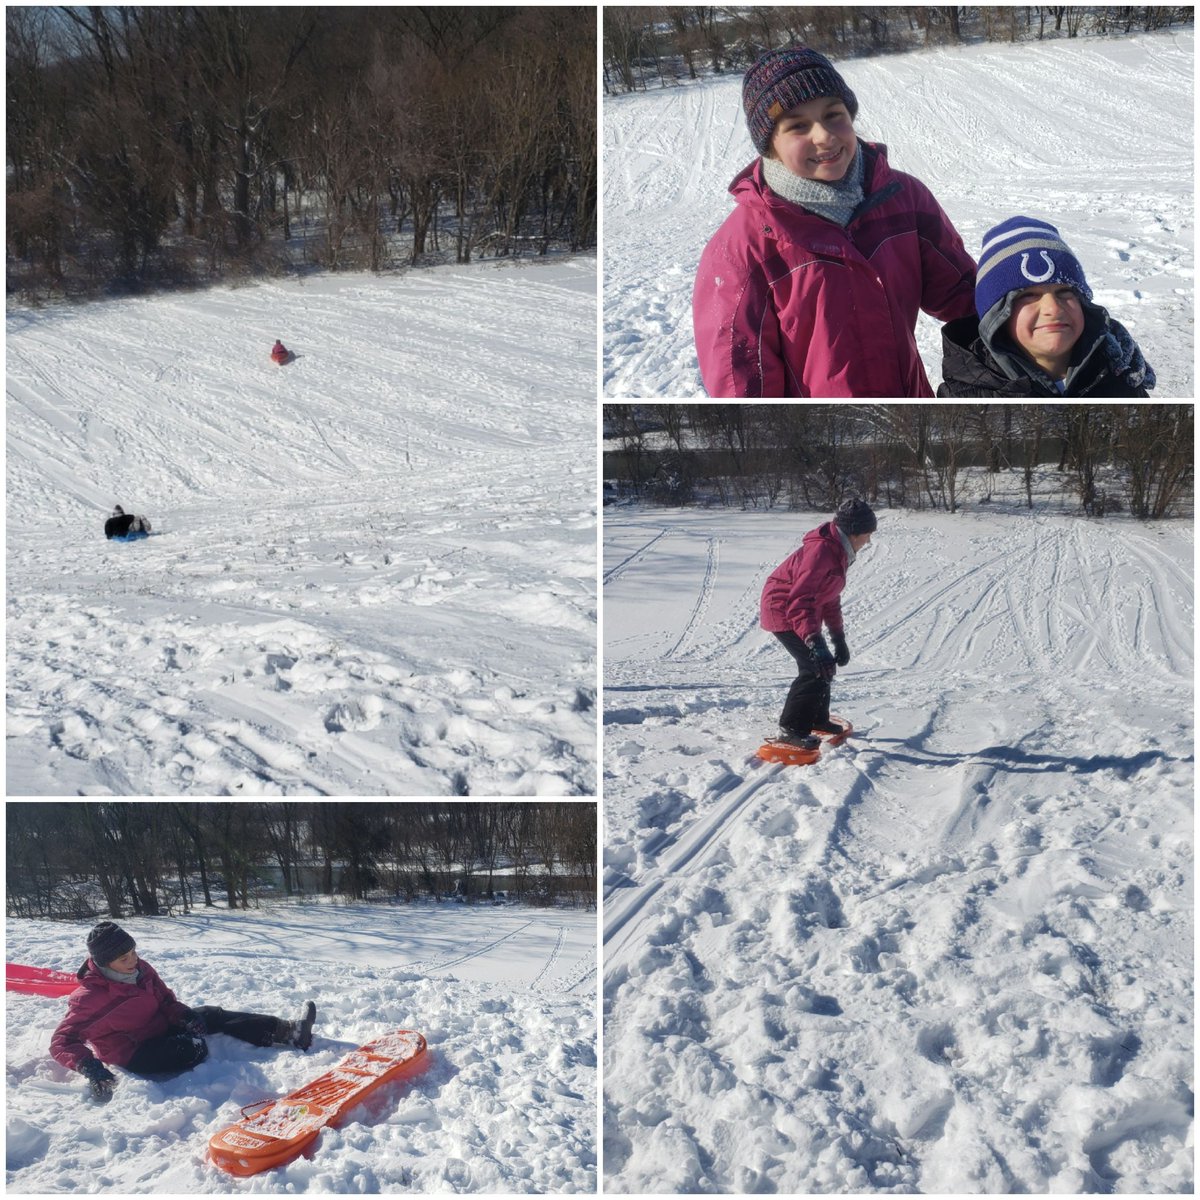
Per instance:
(505,997)
(372,569)
(954,956)
(1094,135)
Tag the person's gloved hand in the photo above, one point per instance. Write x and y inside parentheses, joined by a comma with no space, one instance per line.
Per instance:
(101,1080)
(841,652)
(823,661)
(195,1025)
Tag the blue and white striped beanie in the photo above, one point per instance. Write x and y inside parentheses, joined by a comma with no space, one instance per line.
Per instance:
(1024,252)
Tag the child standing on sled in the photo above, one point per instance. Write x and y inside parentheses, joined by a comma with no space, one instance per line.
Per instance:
(800,598)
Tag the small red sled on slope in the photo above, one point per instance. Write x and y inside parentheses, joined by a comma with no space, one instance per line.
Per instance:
(280,1130)
(38,981)
(782,751)
(280,353)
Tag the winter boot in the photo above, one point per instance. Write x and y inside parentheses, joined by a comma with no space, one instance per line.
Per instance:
(297,1033)
(829,726)
(802,741)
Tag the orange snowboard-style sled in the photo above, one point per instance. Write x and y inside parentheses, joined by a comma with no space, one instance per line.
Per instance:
(282,1129)
(794,756)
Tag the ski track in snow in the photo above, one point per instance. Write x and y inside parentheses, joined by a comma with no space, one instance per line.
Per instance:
(955,956)
(506,1104)
(1115,181)
(372,570)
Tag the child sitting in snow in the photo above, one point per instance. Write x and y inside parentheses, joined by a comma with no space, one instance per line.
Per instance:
(123,1014)
(122,524)
(1036,331)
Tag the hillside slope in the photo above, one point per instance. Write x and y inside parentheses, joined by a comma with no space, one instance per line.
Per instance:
(954,956)
(372,569)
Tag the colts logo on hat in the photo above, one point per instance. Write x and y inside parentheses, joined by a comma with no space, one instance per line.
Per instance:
(1037,278)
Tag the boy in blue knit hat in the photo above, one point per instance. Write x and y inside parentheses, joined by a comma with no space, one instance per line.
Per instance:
(1037,331)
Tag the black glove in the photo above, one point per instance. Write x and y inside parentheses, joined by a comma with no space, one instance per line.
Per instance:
(101,1080)
(194,1024)
(841,652)
(823,661)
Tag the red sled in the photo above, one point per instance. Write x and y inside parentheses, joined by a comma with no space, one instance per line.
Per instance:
(280,1130)
(38,981)
(795,756)
(280,353)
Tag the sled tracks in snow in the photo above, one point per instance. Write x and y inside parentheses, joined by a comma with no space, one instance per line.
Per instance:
(626,902)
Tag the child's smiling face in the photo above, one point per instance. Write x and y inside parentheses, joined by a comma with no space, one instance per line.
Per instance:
(815,140)
(1046,322)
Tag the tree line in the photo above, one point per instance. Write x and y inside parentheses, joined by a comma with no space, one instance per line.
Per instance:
(177,145)
(657,45)
(74,860)
(1112,457)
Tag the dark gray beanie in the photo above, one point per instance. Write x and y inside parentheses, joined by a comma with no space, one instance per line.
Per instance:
(855,516)
(108,941)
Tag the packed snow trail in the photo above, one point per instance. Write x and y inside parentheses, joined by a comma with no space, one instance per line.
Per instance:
(954,956)
(1115,180)
(372,569)
(504,996)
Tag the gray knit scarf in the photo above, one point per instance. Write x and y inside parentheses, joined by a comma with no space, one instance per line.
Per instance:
(845,537)
(834,201)
(120,976)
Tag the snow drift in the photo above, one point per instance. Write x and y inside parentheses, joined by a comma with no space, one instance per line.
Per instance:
(955,956)
(372,568)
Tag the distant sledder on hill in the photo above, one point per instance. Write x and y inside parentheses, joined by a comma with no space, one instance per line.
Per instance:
(280,353)
(800,598)
(125,527)
(122,1014)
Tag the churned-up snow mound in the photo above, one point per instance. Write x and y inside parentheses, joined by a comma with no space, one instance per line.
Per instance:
(1094,135)
(505,997)
(955,955)
(372,569)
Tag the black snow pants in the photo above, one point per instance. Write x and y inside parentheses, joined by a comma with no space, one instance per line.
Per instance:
(173,1053)
(807,703)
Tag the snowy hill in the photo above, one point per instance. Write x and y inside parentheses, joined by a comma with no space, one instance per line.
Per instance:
(955,956)
(1070,131)
(504,996)
(372,569)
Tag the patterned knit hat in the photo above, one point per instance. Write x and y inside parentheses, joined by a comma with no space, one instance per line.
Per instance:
(855,516)
(780,80)
(107,942)
(1024,252)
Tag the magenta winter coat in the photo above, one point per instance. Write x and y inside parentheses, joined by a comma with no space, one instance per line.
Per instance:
(109,1021)
(805,590)
(789,304)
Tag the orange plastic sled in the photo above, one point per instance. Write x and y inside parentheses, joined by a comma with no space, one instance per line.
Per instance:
(283,1129)
(794,756)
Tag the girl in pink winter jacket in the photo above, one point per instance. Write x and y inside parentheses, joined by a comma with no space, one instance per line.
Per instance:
(812,285)
(800,600)
(124,1015)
